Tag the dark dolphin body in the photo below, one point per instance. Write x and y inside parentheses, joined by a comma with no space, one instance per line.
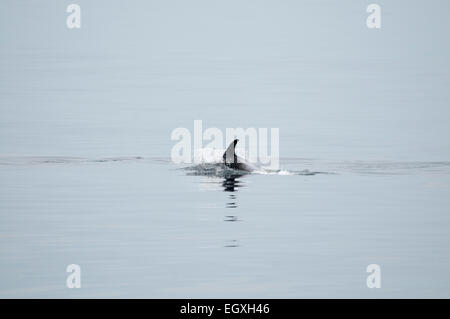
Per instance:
(231,160)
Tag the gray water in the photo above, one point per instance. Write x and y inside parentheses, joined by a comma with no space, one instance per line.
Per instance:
(85,170)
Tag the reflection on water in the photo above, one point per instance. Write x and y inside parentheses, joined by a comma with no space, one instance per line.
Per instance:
(230,181)
(230,184)
(232,243)
(232,203)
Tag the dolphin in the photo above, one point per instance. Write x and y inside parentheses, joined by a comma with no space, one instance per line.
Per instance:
(231,160)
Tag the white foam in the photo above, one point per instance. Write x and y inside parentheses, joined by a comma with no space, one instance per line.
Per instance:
(285,173)
(269,172)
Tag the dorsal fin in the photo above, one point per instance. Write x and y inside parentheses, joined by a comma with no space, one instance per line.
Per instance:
(229,157)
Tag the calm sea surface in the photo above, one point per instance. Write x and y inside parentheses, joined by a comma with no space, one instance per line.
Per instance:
(85,172)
